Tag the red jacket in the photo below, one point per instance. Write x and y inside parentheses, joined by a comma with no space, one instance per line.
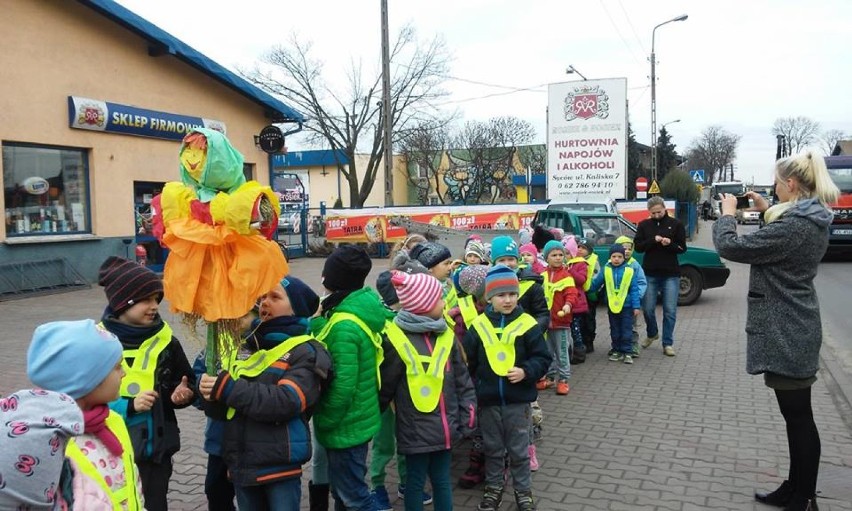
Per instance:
(579,270)
(568,295)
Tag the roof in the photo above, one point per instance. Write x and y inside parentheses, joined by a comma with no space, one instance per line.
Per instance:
(164,43)
(316,158)
(842,147)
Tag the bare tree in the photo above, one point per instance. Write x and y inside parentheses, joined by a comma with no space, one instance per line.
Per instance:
(423,146)
(800,132)
(829,139)
(713,150)
(351,120)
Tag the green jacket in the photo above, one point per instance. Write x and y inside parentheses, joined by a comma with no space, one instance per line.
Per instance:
(348,413)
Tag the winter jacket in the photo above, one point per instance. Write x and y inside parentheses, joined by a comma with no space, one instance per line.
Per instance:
(569,295)
(268,438)
(533,301)
(660,260)
(348,413)
(460,328)
(580,271)
(455,415)
(531,355)
(214,430)
(155,433)
(634,292)
(86,493)
(783,325)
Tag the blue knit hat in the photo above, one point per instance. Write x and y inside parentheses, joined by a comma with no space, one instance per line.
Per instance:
(504,246)
(430,254)
(551,246)
(500,279)
(72,357)
(303,299)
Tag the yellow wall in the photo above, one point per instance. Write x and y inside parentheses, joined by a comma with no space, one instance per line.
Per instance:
(56,48)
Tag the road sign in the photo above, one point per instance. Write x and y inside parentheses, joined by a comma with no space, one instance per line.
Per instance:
(641,195)
(641,184)
(655,188)
(697,175)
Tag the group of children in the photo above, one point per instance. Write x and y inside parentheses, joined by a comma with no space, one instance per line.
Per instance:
(447,349)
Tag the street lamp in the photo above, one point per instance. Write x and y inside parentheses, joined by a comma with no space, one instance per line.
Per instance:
(667,123)
(571,70)
(654,94)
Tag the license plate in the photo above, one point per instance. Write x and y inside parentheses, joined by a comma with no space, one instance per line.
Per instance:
(842,232)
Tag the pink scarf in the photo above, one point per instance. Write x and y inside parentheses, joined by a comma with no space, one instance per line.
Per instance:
(96,425)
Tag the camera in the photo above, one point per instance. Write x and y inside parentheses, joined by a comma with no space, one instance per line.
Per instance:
(743,202)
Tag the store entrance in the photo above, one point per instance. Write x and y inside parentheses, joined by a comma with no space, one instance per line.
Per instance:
(155,255)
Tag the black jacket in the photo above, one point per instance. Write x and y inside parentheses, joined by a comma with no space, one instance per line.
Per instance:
(660,260)
(533,301)
(531,355)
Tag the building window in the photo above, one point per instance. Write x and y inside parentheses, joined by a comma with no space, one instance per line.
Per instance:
(46,190)
(248,171)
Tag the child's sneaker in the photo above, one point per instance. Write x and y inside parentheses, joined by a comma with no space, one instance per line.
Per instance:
(381,499)
(533,459)
(635,351)
(475,472)
(544,384)
(491,499)
(615,356)
(524,500)
(562,388)
(427,499)
(628,359)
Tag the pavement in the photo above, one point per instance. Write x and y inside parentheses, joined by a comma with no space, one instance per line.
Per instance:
(691,432)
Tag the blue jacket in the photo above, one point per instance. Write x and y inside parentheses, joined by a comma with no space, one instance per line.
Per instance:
(638,284)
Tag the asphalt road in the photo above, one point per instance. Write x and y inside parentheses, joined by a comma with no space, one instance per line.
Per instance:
(834,287)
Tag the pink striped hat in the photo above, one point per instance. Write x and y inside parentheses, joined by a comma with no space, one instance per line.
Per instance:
(418,292)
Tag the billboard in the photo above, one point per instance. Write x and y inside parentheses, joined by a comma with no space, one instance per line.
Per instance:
(587,139)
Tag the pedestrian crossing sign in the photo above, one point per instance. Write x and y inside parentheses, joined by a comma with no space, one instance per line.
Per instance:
(655,188)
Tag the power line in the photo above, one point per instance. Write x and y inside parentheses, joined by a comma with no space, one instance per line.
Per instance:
(486,96)
(617,31)
(632,27)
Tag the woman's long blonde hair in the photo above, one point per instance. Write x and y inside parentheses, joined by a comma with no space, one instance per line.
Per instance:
(811,175)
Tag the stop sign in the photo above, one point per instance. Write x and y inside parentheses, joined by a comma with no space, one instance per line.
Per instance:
(641,184)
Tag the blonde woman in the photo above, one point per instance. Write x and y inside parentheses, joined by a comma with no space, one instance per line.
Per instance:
(783,327)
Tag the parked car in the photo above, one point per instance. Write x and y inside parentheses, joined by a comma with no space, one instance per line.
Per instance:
(747,217)
(700,268)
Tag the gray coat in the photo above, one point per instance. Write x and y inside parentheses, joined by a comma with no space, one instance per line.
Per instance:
(783,326)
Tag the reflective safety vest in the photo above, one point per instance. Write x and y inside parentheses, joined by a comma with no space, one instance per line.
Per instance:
(467,307)
(592,261)
(550,289)
(260,360)
(500,342)
(524,286)
(617,297)
(424,386)
(141,375)
(127,494)
(375,338)
(451,299)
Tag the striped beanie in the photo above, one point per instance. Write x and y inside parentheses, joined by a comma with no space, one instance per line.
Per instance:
(478,249)
(417,292)
(126,282)
(500,279)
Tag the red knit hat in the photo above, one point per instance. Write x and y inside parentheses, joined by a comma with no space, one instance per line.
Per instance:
(418,292)
(126,283)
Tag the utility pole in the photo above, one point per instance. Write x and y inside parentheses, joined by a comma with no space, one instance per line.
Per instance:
(386,107)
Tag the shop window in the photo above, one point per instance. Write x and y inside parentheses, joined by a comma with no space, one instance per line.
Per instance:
(46,190)
(248,171)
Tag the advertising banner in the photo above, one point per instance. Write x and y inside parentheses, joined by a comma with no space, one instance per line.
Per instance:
(587,139)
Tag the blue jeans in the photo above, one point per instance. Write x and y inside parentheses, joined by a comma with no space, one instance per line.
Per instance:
(437,466)
(669,286)
(347,471)
(319,461)
(278,496)
(621,330)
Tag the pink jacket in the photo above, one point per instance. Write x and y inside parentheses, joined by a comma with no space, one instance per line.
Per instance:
(88,494)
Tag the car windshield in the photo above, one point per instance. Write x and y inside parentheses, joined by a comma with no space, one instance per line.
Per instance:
(603,231)
(580,206)
(842,178)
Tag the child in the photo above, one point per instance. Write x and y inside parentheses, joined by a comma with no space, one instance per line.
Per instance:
(81,359)
(561,297)
(438,261)
(505,251)
(506,355)
(622,292)
(578,267)
(475,253)
(433,407)
(158,376)
(589,328)
(36,445)
(270,387)
(348,416)
(530,256)
(641,281)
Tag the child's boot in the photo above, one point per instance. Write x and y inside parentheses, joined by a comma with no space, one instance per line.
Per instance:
(524,500)
(533,459)
(318,496)
(579,354)
(491,499)
(475,472)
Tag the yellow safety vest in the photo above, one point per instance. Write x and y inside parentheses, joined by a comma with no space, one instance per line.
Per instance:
(126,494)
(592,261)
(451,299)
(424,386)
(141,375)
(524,286)
(375,338)
(617,297)
(550,289)
(467,307)
(500,342)
(260,360)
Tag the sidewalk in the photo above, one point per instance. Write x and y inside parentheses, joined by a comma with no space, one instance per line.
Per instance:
(685,433)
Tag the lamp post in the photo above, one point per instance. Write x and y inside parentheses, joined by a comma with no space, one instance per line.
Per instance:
(571,70)
(654,94)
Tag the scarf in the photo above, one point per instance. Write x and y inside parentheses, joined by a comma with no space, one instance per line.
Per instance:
(419,324)
(332,300)
(272,332)
(95,420)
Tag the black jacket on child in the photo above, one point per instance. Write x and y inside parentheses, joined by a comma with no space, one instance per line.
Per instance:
(531,355)
(533,301)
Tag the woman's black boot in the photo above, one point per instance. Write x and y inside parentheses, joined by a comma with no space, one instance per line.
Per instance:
(798,503)
(778,498)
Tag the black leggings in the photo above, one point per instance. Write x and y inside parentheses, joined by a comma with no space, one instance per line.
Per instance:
(802,439)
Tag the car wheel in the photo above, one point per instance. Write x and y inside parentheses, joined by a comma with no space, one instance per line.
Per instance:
(691,285)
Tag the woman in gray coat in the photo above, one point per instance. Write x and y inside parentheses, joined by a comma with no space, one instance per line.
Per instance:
(783,326)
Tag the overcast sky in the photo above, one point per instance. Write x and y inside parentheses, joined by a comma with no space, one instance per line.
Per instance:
(738,64)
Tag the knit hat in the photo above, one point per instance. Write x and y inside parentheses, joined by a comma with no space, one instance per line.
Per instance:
(616,248)
(624,239)
(541,236)
(478,249)
(430,254)
(418,293)
(557,233)
(585,243)
(570,245)
(35,423)
(471,238)
(504,246)
(551,246)
(525,235)
(72,357)
(385,288)
(528,248)
(303,299)
(126,282)
(471,280)
(500,279)
(346,269)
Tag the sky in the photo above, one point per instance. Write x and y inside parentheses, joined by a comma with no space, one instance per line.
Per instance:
(736,64)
